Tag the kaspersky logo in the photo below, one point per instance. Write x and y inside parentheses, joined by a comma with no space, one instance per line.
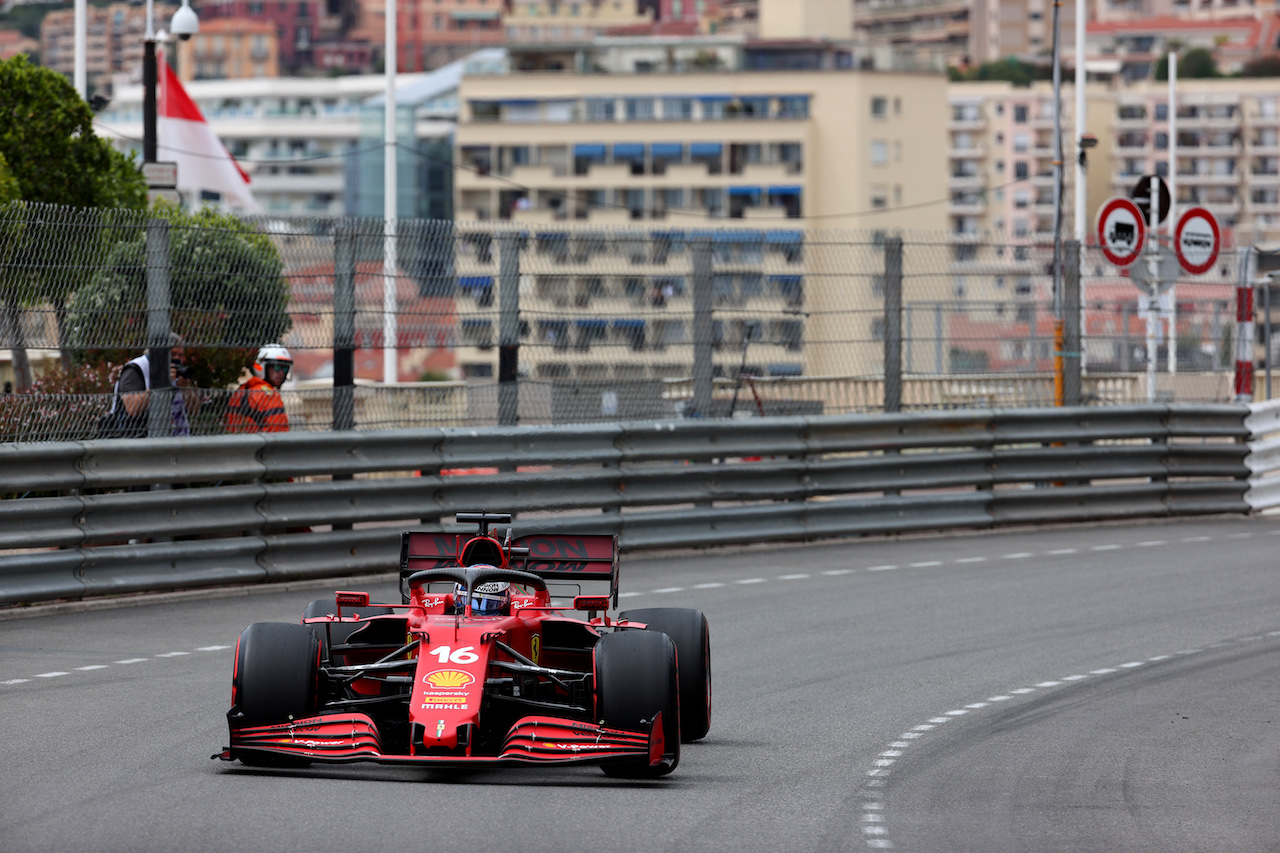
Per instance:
(448,679)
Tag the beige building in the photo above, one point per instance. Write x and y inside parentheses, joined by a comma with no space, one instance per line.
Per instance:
(617,175)
(1199,10)
(230,49)
(568,20)
(1228,148)
(113,44)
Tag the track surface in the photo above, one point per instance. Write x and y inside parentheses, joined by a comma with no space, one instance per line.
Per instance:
(1096,688)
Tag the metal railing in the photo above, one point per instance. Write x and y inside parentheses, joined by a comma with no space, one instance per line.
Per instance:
(124,516)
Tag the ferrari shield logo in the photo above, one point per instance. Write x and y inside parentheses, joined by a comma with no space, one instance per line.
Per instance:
(535,647)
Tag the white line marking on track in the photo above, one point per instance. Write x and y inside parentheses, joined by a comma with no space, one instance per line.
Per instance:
(1198,539)
(1151,543)
(834,572)
(708,586)
(133,660)
(1048,684)
(881,568)
(1102,671)
(1073,677)
(668,589)
(1022,690)
(212,648)
(971,559)
(172,654)
(976,705)
(1060,552)
(50,674)
(1105,548)
(91,667)
(1018,555)
(16,681)
(1166,657)
(958,712)
(1131,664)
(926,564)
(798,577)
(629,594)
(1001,698)
(750,580)
(940,720)
(1240,536)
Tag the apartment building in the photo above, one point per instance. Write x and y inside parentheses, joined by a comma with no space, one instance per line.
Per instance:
(435,32)
(569,20)
(1228,148)
(1195,10)
(113,43)
(228,49)
(618,174)
(14,43)
(299,25)
(1135,47)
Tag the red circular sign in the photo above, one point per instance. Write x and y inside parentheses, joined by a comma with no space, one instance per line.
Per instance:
(1121,231)
(1197,240)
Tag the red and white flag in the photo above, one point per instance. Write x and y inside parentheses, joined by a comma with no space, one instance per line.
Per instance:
(204,163)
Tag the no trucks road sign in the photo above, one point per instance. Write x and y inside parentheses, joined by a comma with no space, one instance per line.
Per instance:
(1121,231)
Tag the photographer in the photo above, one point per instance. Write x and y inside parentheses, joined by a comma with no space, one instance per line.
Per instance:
(128,416)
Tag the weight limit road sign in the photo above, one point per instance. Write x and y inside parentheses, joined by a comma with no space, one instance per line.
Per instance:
(1121,231)
(1197,240)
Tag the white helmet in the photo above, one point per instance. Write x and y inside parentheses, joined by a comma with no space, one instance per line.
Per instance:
(271,354)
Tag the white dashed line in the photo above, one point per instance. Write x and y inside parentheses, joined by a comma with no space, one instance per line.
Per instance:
(834,572)
(91,667)
(976,705)
(1018,555)
(16,681)
(1198,539)
(629,594)
(750,580)
(1151,543)
(1000,698)
(172,654)
(1131,664)
(1023,690)
(708,586)
(971,559)
(881,568)
(926,564)
(212,648)
(1073,677)
(1048,684)
(51,674)
(1105,548)
(1102,671)
(668,589)
(1240,536)
(1061,552)
(798,577)
(132,660)
(939,720)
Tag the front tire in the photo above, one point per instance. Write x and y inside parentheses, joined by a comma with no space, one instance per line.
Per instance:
(689,631)
(636,679)
(275,680)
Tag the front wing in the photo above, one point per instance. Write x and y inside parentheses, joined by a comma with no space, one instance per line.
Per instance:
(341,738)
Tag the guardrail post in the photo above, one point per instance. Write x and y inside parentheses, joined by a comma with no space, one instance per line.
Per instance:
(1071,338)
(509,327)
(703,329)
(160,401)
(893,324)
(344,326)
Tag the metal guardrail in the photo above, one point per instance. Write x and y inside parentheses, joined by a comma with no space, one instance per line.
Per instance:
(102,517)
(1263,461)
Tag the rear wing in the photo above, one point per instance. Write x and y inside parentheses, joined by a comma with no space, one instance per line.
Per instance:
(565,557)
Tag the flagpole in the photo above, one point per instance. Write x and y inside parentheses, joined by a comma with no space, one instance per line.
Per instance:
(81,37)
(389,368)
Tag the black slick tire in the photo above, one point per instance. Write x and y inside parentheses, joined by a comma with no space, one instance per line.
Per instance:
(276,673)
(689,631)
(636,679)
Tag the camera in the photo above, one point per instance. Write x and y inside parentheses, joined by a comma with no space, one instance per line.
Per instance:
(185,24)
(183,371)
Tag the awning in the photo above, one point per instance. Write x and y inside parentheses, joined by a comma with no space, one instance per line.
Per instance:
(552,235)
(752,192)
(628,151)
(786,280)
(475,322)
(705,149)
(592,324)
(473,14)
(786,370)
(667,150)
(590,152)
(715,99)
(785,190)
(738,237)
(784,236)
(628,324)
(470,281)
(667,235)
(518,102)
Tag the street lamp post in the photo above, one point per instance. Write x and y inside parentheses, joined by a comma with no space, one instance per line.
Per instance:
(184,25)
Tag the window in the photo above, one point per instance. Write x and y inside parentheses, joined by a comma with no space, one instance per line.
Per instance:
(793,106)
(1021,141)
(1020,114)
(754,107)
(879,107)
(677,109)
(640,109)
(1021,170)
(601,109)
(879,152)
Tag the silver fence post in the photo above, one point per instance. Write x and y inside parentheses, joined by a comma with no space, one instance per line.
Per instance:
(160,401)
(703,329)
(509,328)
(1071,339)
(893,324)
(344,326)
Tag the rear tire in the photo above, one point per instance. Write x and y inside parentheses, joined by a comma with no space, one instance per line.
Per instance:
(636,678)
(689,631)
(275,681)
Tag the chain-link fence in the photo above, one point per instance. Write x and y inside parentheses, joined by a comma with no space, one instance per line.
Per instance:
(563,322)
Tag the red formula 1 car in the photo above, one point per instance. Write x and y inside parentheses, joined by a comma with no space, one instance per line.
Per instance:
(482,663)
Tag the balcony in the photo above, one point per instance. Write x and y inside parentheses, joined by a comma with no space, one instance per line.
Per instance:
(1264,178)
(686,173)
(966,208)
(532,176)
(765,212)
(973,152)
(967,181)
(770,172)
(539,215)
(967,123)
(1207,179)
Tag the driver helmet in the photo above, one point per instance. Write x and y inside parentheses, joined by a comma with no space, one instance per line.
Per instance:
(488,599)
(273,355)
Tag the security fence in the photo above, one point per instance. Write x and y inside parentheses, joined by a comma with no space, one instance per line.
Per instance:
(562,322)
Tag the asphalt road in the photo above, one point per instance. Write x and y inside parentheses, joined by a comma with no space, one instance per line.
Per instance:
(1092,688)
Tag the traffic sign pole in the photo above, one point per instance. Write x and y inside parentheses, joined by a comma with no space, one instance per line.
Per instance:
(1153,266)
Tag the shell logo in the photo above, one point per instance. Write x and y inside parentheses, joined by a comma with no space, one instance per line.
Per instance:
(443,679)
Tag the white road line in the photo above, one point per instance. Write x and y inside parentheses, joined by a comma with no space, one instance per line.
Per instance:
(1048,684)
(976,705)
(923,727)
(133,660)
(1060,552)
(1165,657)
(172,654)
(1073,677)
(798,577)
(1105,548)
(629,594)
(1240,536)
(1022,690)
(881,568)
(926,564)
(834,572)
(668,589)
(750,580)
(708,586)
(940,720)
(16,681)
(1001,698)
(1131,664)
(91,667)
(1102,671)
(971,559)
(51,674)
(212,648)
(1018,555)
(958,712)
(1198,539)
(912,735)
(1151,543)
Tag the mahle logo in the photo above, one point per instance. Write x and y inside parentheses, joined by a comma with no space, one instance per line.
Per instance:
(443,679)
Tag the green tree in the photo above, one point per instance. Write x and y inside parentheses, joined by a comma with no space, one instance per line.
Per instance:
(1010,69)
(48,141)
(9,190)
(226,286)
(1197,63)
